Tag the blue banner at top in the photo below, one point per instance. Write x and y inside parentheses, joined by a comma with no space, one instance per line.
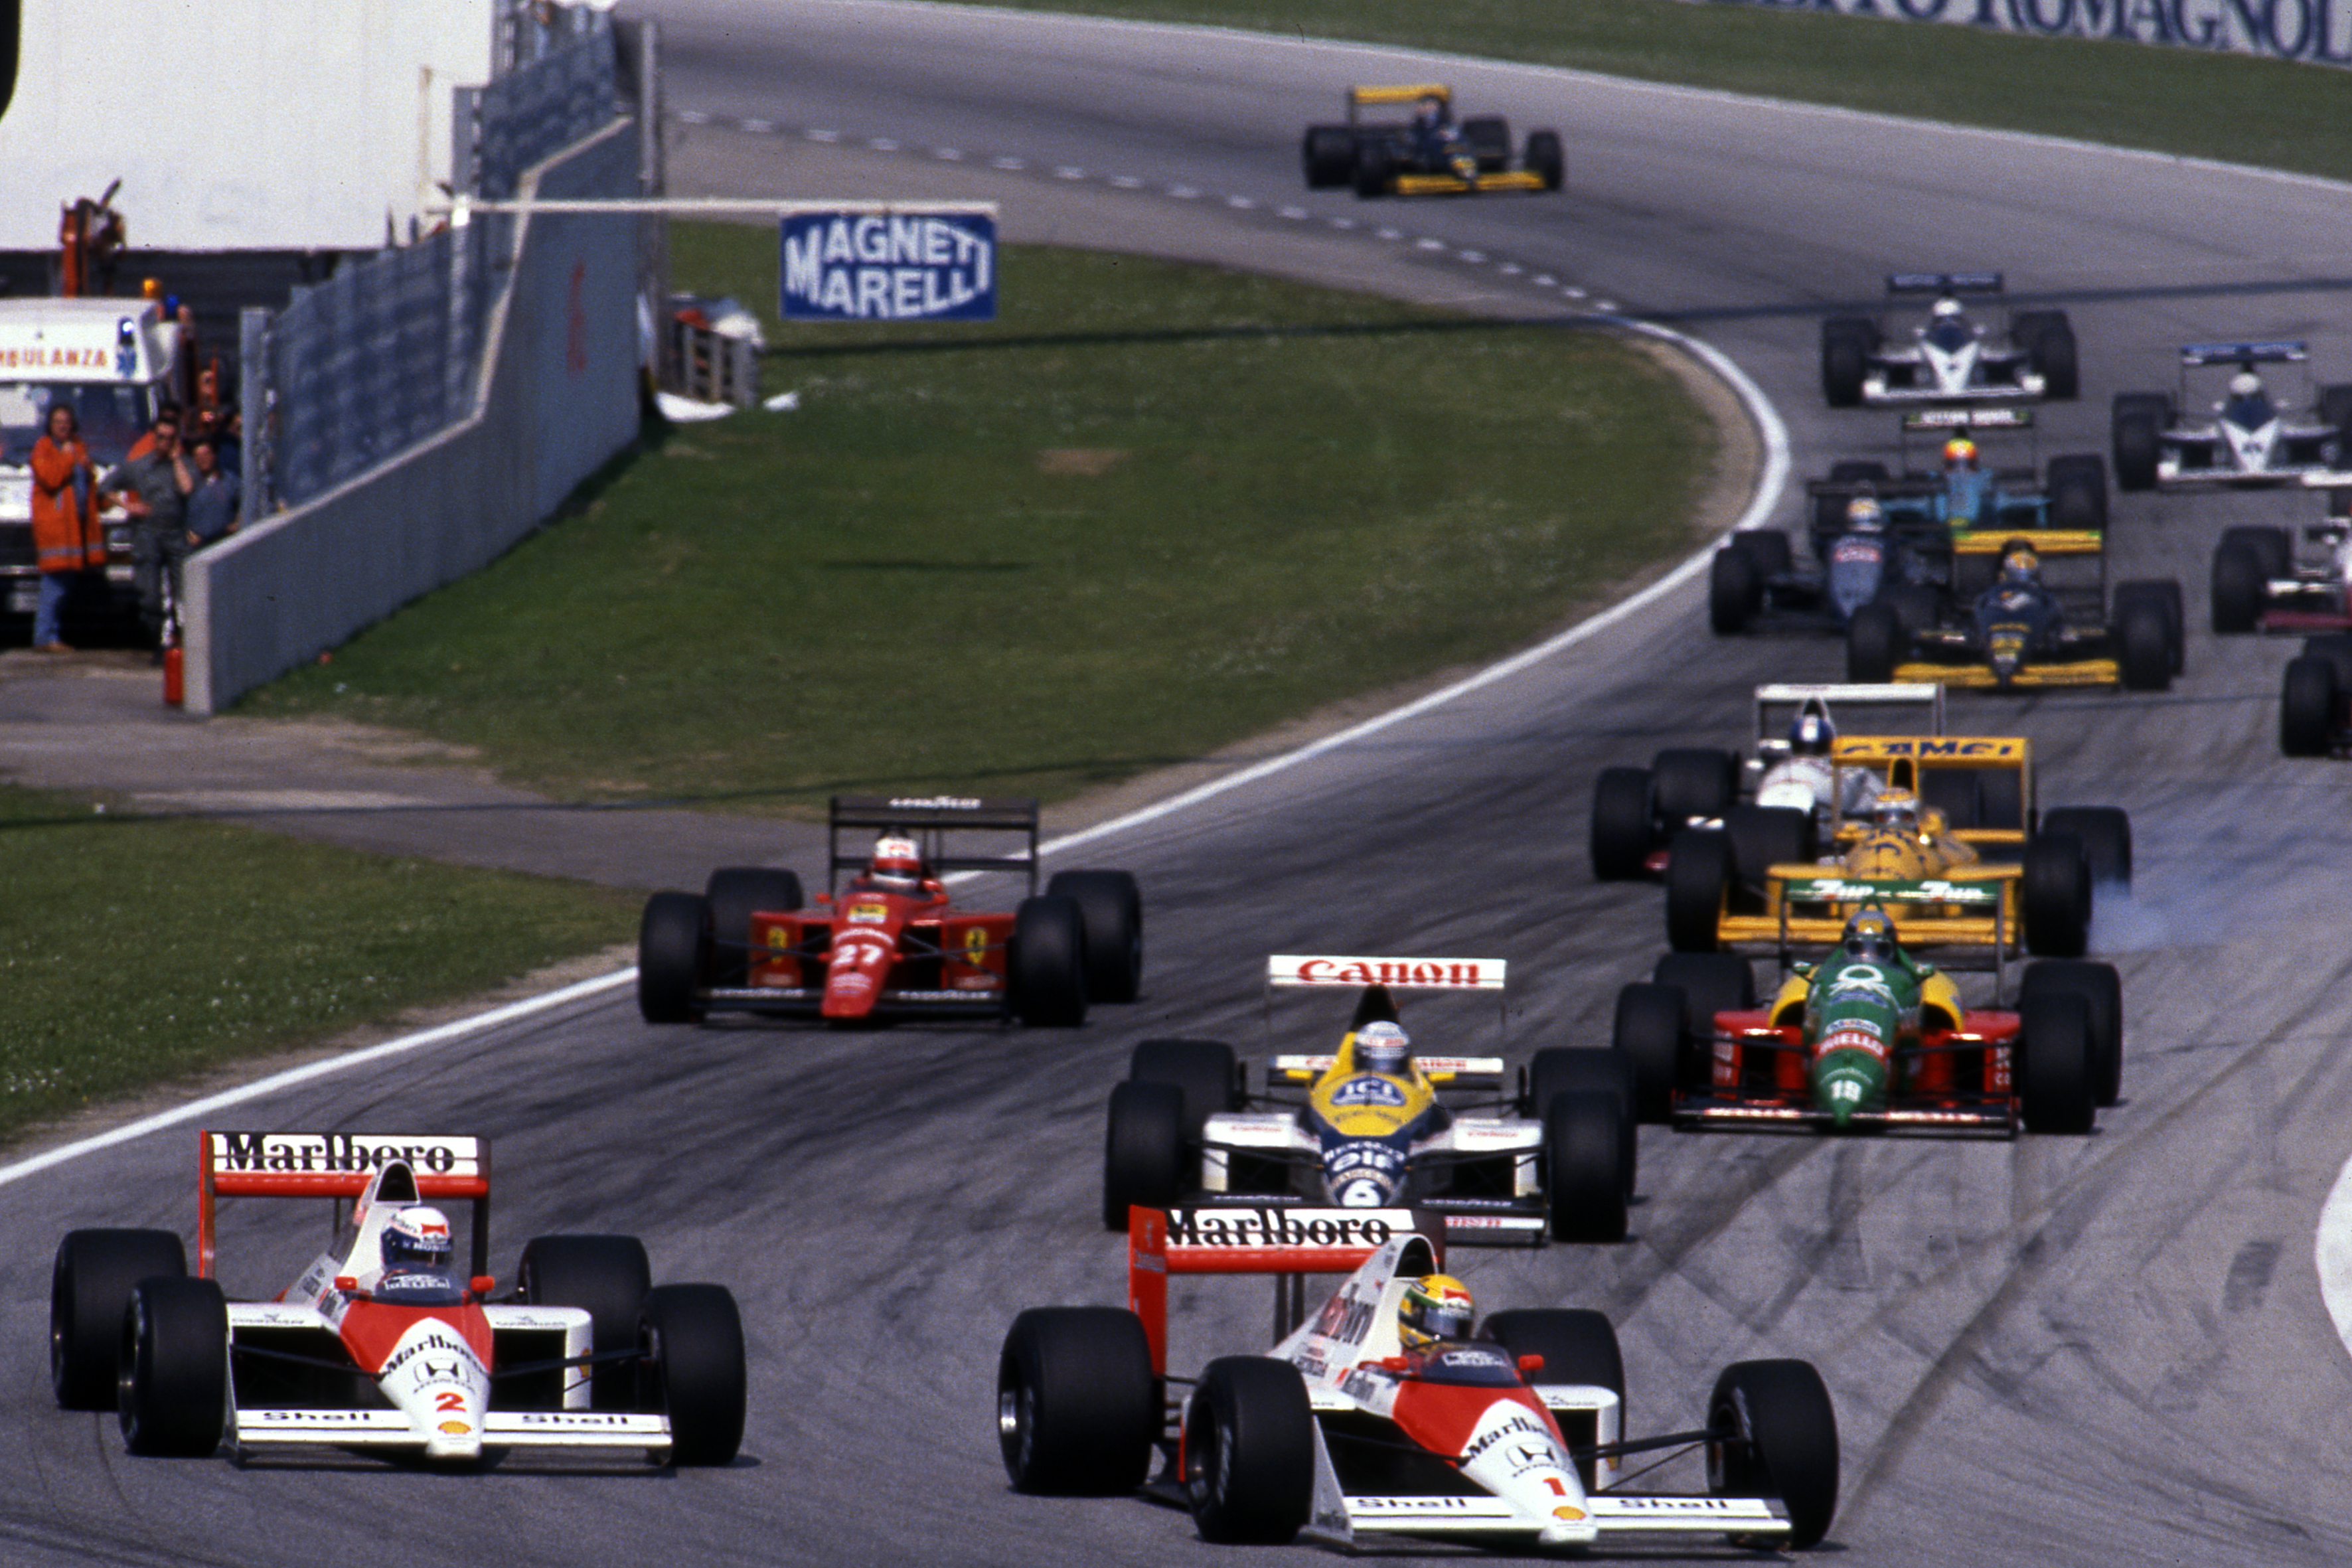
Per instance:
(934,266)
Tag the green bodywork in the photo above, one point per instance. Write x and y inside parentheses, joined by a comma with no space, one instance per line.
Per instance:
(1859,1012)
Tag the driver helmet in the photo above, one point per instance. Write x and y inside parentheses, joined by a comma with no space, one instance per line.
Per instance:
(2020,565)
(416,1238)
(1864,515)
(1897,808)
(2245,383)
(1870,935)
(1383,1047)
(898,863)
(1812,735)
(1946,309)
(1933,824)
(1429,112)
(1959,451)
(1436,1306)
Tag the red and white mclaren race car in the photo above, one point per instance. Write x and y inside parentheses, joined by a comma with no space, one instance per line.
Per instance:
(888,942)
(379,1345)
(1344,1433)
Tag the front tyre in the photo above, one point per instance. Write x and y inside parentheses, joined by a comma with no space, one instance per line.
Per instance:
(607,1277)
(1774,1434)
(673,952)
(2057,1084)
(2308,707)
(1649,1034)
(690,1365)
(1249,1452)
(173,1397)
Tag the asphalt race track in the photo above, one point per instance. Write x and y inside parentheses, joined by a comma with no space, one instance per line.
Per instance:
(2058,1351)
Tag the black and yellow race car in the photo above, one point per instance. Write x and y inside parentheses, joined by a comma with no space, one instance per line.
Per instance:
(1429,154)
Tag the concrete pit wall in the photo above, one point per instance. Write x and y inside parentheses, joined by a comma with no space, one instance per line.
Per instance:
(559,398)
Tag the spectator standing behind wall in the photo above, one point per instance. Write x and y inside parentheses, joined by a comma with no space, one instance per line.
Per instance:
(154,485)
(213,504)
(67,539)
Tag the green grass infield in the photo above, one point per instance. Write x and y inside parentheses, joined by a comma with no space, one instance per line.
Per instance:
(2273,113)
(143,950)
(1152,509)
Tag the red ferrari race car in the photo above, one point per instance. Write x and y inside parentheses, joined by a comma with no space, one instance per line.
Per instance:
(889,943)
(1380,1415)
(380,1343)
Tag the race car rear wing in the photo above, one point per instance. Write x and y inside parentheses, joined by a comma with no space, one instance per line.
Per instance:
(2007,417)
(338,1165)
(1943,283)
(1286,1242)
(1772,727)
(1413,93)
(1375,977)
(1438,1069)
(2277,351)
(930,819)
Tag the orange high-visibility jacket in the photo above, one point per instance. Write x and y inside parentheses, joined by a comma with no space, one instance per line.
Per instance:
(63,542)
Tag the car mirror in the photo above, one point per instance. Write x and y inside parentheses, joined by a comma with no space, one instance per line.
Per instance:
(1530,1364)
(346,1283)
(483,1284)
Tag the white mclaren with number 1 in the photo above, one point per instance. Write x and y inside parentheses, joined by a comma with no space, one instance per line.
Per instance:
(382,1343)
(1390,1412)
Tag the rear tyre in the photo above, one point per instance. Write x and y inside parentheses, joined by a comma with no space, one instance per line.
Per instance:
(173,1394)
(735,894)
(1621,824)
(1328,156)
(2143,643)
(1778,1437)
(1110,906)
(2102,994)
(1589,1070)
(2056,896)
(1767,550)
(690,1367)
(1693,783)
(2105,833)
(2057,1089)
(1202,1069)
(1143,1150)
(1915,605)
(2335,409)
(673,949)
(1585,1189)
(1873,645)
(1763,837)
(2308,707)
(2270,545)
(1699,869)
(1734,592)
(2052,353)
(89,1289)
(1077,1409)
(606,1276)
(1047,964)
(1249,1452)
(2238,589)
(2077,489)
(1545,160)
(1578,1347)
(1372,168)
(1710,983)
(2137,421)
(1648,1033)
(1845,355)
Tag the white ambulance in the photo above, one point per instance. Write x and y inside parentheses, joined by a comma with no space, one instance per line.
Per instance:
(113,361)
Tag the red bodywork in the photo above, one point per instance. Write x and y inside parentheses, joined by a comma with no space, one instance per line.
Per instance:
(871,949)
(1762,1071)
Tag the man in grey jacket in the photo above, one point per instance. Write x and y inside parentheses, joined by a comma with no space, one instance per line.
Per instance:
(154,482)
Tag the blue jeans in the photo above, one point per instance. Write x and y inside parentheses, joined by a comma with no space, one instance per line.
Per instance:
(54,587)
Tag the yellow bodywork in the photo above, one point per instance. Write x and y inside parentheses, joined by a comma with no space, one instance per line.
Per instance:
(1447,184)
(1361,1121)
(1977,677)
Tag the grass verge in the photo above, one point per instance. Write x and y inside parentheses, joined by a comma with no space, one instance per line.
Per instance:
(2273,113)
(1151,509)
(142,950)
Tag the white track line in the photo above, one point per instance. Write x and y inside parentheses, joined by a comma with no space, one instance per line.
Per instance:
(2332,1253)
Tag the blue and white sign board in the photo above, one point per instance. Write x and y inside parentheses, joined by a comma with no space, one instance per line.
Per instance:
(896,264)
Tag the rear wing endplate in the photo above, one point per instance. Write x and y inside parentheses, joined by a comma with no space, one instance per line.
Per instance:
(930,819)
(1275,1239)
(338,1165)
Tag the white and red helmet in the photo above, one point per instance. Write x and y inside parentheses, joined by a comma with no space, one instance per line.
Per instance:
(898,863)
(416,1236)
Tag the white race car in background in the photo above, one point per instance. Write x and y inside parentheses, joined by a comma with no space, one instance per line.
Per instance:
(2248,439)
(1342,1434)
(1950,359)
(587,1353)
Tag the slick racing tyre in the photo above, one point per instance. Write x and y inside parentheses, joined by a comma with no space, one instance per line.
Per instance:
(2335,412)
(1329,154)
(1763,837)
(1621,815)
(1916,608)
(1845,356)
(2057,1087)
(690,1369)
(1875,645)
(89,1287)
(1578,1347)
(1372,167)
(1693,782)
(2102,992)
(1698,881)
(1046,967)
(2049,348)
(1143,1150)
(2308,707)
(1734,591)
(1648,1032)
(2136,424)
(605,1276)
(2270,545)
(735,894)
(1710,983)
(1588,1069)
(2145,653)
(1489,136)
(2056,896)
(1204,1070)
(1585,1189)
(2238,589)
(1110,906)
(2077,489)
(1249,1452)
(1545,160)
(1767,550)
(173,1395)
(673,954)
(1078,1410)
(1773,1433)
(2105,833)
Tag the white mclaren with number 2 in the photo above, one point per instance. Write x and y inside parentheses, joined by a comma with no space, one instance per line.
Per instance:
(382,1343)
(1381,1416)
